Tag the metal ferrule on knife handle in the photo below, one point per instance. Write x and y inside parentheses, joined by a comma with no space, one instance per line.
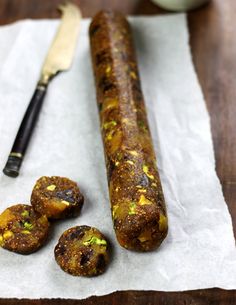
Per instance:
(137,201)
(59,58)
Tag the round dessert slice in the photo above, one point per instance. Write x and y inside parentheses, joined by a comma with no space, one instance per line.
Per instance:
(22,230)
(56,197)
(82,250)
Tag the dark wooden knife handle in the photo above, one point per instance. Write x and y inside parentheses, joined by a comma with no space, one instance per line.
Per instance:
(24,133)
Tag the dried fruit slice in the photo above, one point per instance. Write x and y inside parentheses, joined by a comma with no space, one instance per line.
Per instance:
(22,230)
(57,197)
(82,250)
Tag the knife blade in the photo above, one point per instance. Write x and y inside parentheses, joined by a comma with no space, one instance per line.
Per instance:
(59,58)
(60,54)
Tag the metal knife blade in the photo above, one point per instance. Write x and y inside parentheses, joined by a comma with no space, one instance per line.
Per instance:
(60,54)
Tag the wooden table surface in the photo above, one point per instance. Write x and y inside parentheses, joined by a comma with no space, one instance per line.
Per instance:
(213,42)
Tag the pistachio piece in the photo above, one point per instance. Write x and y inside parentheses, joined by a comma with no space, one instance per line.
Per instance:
(28,225)
(96,241)
(51,187)
(132,208)
(25,213)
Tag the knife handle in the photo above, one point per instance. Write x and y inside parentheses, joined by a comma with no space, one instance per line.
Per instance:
(24,133)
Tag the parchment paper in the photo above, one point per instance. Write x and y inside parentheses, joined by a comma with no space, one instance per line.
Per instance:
(199,251)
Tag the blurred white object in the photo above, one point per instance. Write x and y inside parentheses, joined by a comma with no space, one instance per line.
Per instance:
(180,5)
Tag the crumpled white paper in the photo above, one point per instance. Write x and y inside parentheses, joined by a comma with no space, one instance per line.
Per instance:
(199,251)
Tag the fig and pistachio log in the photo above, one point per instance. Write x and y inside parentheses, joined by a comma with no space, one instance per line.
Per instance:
(136,196)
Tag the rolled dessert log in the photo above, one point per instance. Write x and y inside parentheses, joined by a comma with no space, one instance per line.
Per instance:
(136,196)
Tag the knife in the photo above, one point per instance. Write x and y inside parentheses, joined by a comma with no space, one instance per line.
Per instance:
(59,58)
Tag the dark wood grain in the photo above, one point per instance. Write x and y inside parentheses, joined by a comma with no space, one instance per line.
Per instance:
(197,297)
(213,42)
